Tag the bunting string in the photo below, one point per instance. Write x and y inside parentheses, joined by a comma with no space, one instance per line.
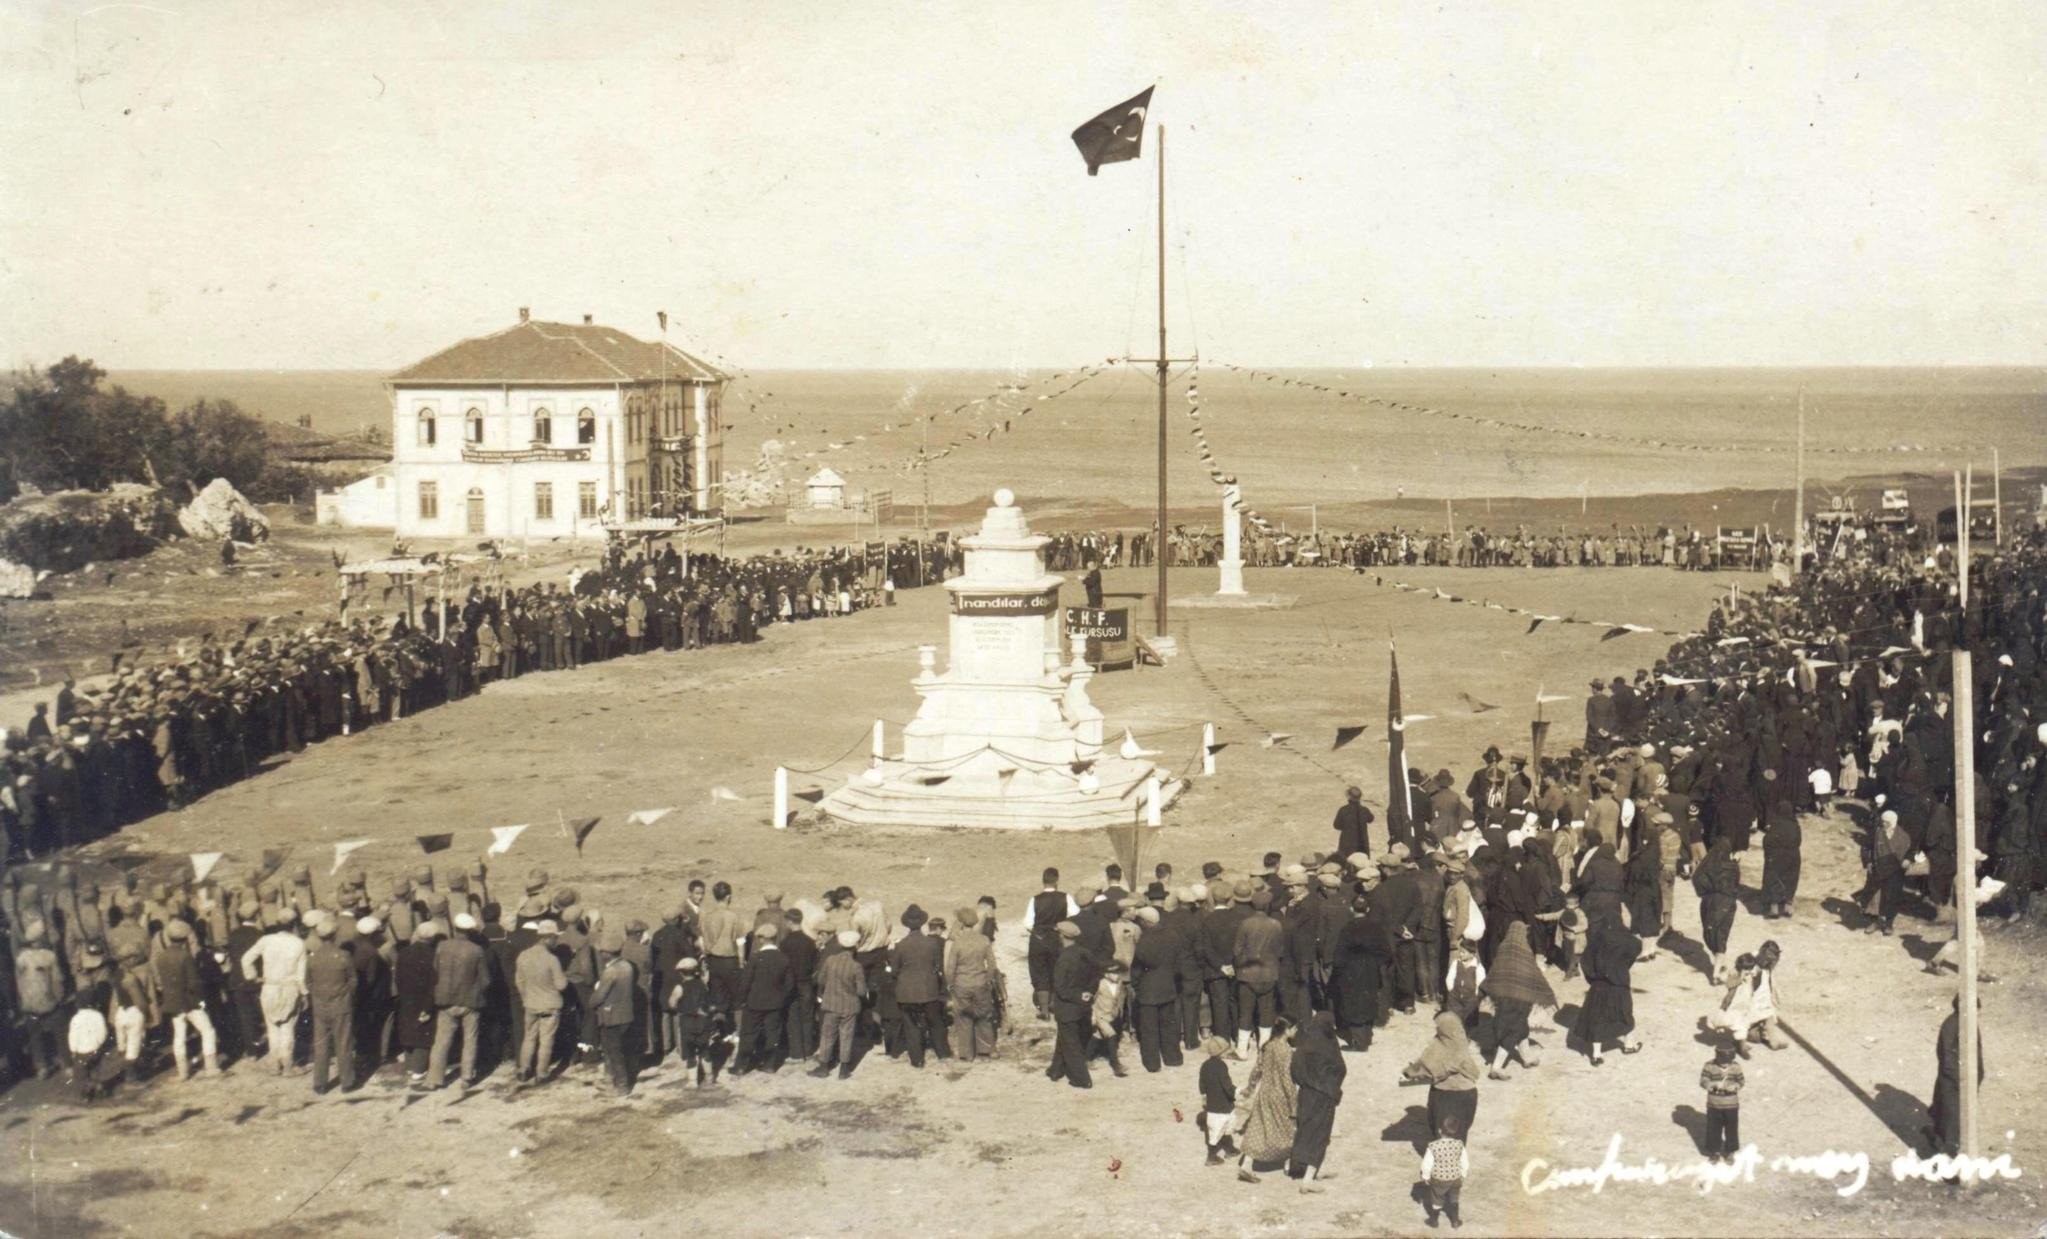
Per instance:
(1602,436)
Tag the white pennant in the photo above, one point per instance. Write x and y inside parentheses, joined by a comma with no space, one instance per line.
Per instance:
(342,851)
(203,863)
(647,817)
(724,793)
(501,839)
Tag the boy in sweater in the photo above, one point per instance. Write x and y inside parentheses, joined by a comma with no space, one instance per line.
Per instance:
(1218,1100)
(1445,1163)
(1722,1081)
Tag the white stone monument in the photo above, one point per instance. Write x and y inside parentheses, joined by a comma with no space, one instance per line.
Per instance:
(1006,736)
(1232,565)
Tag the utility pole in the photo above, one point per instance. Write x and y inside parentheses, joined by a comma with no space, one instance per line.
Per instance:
(1997,496)
(1798,513)
(1963,484)
(1162,363)
(1965,880)
(924,467)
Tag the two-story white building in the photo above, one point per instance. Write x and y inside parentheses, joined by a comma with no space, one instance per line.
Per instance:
(550,429)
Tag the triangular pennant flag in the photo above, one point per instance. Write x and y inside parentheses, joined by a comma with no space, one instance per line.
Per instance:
(435,843)
(1611,633)
(129,861)
(1477,706)
(203,863)
(1278,737)
(1542,699)
(1405,719)
(342,851)
(501,838)
(647,817)
(579,830)
(1131,750)
(1344,735)
(811,794)
(724,793)
(1217,748)
(273,860)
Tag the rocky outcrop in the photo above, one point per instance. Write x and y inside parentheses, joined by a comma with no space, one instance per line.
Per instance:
(61,530)
(219,511)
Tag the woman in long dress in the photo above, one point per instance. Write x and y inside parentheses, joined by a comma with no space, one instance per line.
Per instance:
(1609,1013)
(1516,986)
(1645,892)
(1451,1071)
(1718,882)
(1266,1108)
(1317,1073)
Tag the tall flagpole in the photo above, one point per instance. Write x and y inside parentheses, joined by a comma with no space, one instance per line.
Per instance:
(1163,547)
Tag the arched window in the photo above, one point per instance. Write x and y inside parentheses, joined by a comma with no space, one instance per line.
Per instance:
(426,426)
(472,425)
(543,426)
(586,426)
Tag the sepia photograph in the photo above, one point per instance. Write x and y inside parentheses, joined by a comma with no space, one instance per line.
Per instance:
(1185,618)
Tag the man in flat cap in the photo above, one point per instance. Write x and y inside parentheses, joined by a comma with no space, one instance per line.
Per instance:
(1073,997)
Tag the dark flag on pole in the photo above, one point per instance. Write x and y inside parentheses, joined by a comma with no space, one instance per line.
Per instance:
(435,843)
(1115,135)
(579,829)
(1399,813)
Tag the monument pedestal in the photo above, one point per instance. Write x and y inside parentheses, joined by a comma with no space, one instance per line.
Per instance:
(1232,562)
(1006,736)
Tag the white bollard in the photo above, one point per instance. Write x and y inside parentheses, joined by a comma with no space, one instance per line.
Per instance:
(1154,797)
(1208,749)
(877,745)
(781,797)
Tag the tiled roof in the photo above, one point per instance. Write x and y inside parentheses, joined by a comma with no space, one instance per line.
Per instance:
(537,352)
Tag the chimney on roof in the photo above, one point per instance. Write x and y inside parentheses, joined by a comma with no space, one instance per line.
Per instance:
(525,313)
(587,320)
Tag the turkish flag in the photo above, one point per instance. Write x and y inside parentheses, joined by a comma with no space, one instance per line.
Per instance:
(1115,135)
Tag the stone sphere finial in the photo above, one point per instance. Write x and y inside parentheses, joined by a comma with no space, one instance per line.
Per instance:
(1005,498)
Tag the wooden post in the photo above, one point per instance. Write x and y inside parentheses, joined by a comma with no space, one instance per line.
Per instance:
(1962,539)
(1965,884)
(1997,496)
(1154,800)
(781,797)
(1208,749)
(876,747)
(1798,514)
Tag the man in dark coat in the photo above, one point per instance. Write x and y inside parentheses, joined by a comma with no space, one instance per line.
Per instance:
(1155,978)
(766,989)
(330,986)
(1352,824)
(1398,902)
(1215,944)
(1073,996)
(801,950)
(918,962)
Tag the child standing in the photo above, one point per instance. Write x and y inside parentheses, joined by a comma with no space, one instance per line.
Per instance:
(1722,1081)
(1218,1100)
(1572,929)
(695,1021)
(1444,1164)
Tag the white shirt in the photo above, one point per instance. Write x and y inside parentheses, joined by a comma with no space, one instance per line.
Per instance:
(1031,909)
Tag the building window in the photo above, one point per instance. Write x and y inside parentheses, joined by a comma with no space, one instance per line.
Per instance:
(543,501)
(543,426)
(586,500)
(429,501)
(426,426)
(472,425)
(586,427)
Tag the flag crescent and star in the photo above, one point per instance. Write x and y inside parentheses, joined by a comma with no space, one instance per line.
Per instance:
(1116,135)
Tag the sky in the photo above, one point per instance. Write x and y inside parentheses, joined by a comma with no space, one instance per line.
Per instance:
(350,184)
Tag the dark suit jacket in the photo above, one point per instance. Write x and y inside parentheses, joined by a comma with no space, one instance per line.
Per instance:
(765,984)
(918,962)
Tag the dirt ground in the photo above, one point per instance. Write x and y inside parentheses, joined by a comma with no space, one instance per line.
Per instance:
(993,1148)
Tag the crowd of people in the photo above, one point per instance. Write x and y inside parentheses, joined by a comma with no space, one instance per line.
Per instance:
(158,736)
(1470,903)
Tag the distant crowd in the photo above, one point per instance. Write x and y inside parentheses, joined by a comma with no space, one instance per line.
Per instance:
(159,736)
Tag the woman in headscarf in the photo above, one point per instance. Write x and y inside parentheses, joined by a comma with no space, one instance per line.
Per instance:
(1516,986)
(1718,882)
(1266,1107)
(1781,840)
(1609,1012)
(1364,951)
(1317,1073)
(1542,891)
(1645,891)
(1451,1071)
(1888,853)
(1601,882)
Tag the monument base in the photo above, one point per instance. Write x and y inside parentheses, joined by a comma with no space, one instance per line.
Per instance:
(991,792)
(1232,582)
